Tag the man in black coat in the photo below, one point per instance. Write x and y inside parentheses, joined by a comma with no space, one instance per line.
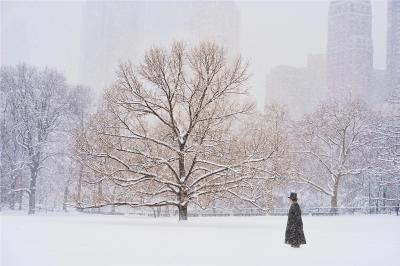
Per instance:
(294,235)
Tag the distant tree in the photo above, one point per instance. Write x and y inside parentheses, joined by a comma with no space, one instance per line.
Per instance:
(332,146)
(269,132)
(39,101)
(81,106)
(12,155)
(387,163)
(164,134)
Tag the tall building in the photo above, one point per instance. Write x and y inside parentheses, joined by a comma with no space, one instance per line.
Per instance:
(114,32)
(217,21)
(393,44)
(349,49)
(299,88)
(117,31)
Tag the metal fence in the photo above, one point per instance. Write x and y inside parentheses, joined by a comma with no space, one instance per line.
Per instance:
(339,210)
(313,211)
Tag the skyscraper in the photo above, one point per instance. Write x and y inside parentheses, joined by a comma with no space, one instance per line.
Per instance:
(217,21)
(117,31)
(393,44)
(299,88)
(349,50)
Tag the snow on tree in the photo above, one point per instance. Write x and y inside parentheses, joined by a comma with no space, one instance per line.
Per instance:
(11,164)
(165,132)
(272,129)
(38,102)
(331,146)
(387,157)
(81,106)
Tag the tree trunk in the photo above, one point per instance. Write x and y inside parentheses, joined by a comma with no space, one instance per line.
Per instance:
(99,195)
(384,199)
(12,192)
(369,195)
(20,198)
(79,196)
(32,199)
(334,204)
(183,197)
(335,194)
(183,204)
(32,190)
(66,192)
(113,199)
(268,197)
(183,212)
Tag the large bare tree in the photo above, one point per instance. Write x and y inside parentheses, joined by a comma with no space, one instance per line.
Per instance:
(165,132)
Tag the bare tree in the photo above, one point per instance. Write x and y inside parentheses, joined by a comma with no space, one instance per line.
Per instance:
(164,130)
(387,156)
(269,132)
(12,162)
(81,106)
(331,145)
(39,101)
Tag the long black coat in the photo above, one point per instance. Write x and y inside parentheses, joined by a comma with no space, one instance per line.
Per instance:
(294,229)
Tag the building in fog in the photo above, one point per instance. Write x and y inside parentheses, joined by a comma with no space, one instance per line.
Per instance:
(115,32)
(217,21)
(349,49)
(300,89)
(14,47)
(105,27)
(393,44)
(347,70)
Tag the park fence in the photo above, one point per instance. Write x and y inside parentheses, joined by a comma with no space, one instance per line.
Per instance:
(313,211)
(306,210)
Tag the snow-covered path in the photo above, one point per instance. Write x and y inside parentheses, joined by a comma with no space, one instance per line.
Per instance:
(231,241)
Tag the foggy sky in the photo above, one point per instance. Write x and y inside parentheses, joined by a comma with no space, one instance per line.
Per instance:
(272,33)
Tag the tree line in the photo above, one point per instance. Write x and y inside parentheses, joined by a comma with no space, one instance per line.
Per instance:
(178,130)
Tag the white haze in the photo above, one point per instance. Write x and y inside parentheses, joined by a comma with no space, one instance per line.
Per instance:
(272,33)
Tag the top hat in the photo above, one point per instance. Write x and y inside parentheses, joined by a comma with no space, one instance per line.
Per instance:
(293,196)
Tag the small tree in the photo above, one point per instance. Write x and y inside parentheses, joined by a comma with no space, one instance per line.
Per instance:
(269,132)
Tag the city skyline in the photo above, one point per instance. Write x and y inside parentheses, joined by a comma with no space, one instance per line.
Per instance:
(347,68)
(260,40)
(113,33)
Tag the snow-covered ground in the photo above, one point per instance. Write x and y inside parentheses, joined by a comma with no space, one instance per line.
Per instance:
(242,241)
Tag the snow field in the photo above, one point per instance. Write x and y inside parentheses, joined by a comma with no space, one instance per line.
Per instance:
(215,241)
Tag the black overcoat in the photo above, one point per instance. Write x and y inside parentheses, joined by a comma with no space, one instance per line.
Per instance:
(294,229)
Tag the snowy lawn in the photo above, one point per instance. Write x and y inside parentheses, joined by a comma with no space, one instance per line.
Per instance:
(242,241)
